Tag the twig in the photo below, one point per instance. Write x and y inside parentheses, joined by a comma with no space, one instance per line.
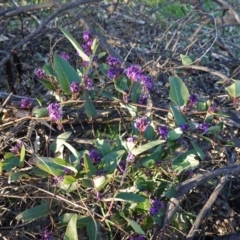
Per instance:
(63,8)
(207,207)
(205,69)
(184,187)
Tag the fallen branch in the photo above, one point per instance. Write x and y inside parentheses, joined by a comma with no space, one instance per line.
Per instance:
(183,188)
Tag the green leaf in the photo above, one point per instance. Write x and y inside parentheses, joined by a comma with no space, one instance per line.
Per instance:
(75,45)
(47,84)
(175,134)
(69,180)
(136,91)
(110,160)
(178,91)
(10,161)
(234,89)
(49,70)
(121,84)
(40,112)
(66,74)
(99,182)
(185,161)
(179,119)
(48,165)
(145,206)
(102,54)
(92,229)
(16,176)
(59,141)
(199,151)
(186,60)
(102,146)
(22,156)
(34,213)
(71,231)
(82,221)
(147,223)
(147,146)
(130,197)
(133,224)
(64,164)
(89,167)
(90,109)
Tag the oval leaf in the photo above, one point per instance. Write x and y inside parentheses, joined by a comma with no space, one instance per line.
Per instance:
(34,213)
(178,91)
(71,231)
(66,74)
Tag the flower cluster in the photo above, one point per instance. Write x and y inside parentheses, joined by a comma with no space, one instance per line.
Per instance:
(88,41)
(17,148)
(45,235)
(137,237)
(135,73)
(74,87)
(203,127)
(40,73)
(114,72)
(143,99)
(163,131)
(130,157)
(184,127)
(95,156)
(57,180)
(141,124)
(113,61)
(88,83)
(193,99)
(65,56)
(55,112)
(156,205)
(26,103)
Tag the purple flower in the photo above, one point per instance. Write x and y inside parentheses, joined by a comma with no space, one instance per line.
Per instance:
(141,124)
(143,99)
(45,235)
(134,73)
(113,61)
(114,72)
(212,109)
(87,36)
(87,49)
(163,131)
(74,87)
(147,81)
(156,205)
(57,180)
(190,173)
(184,127)
(138,237)
(26,103)
(88,83)
(95,156)
(65,56)
(193,99)
(89,43)
(55,111)
(17,148)
(203,127)
(40,73)
(131,139)
(130,157)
